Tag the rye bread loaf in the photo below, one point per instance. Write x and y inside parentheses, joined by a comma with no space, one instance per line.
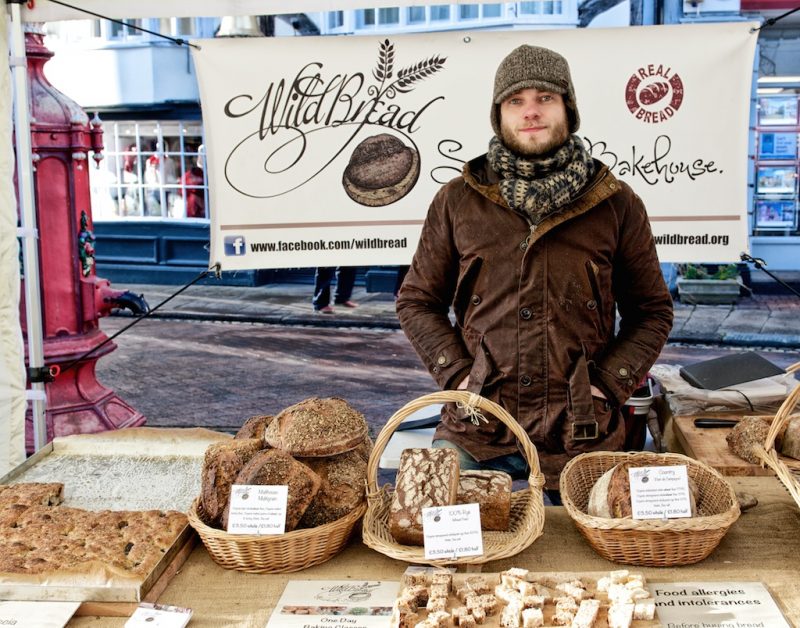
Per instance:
(342,490)
(610,496)
(425,478)
(751,430)
(222,463)
(254,427)
(273,467)
(491,490)
(317,427)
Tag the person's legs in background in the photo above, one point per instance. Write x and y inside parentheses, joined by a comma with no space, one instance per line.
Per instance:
(345,279)
(322,289)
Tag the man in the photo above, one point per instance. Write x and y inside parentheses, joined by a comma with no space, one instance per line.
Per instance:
(534,246)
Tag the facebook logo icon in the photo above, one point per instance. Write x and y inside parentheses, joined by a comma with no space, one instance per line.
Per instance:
(234,245)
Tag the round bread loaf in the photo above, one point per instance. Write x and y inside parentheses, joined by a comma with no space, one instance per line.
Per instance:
(751,430)
(317,427)
(254,427)
(343,487)
(272,467)
(221,464)
(610,496)
(382,170)
(790,440)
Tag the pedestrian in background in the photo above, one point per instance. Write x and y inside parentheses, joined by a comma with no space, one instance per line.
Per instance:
(323,278)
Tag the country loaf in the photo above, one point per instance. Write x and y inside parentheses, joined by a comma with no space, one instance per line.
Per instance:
(342,489)
(491,490)
(221,464)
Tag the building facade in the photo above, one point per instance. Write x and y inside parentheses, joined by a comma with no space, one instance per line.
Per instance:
(150,197)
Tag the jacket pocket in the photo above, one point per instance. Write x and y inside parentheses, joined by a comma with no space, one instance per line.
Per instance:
(465,287)
(593,274)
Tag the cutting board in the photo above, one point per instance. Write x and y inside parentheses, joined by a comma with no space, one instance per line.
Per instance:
(708,445)
(588,578)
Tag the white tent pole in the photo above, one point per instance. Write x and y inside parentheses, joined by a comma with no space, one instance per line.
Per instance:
(29,231)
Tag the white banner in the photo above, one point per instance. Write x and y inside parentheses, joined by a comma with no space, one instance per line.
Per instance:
(328,151)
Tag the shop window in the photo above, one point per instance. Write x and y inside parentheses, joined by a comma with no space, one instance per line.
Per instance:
(492,10)
(468,12)
(777,165)
(152,169)
(335,19)
(365,18)
(415,15)
(389,17)
(440,12)
(541,7)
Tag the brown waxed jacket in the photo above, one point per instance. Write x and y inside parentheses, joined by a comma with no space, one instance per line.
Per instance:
(534,313)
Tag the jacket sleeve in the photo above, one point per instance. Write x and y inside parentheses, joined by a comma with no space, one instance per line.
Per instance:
(424,300)
(644,304)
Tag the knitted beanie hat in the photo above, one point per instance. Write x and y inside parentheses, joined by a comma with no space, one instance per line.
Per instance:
(539,68)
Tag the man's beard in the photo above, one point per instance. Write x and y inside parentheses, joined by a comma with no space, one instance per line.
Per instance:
(556,139)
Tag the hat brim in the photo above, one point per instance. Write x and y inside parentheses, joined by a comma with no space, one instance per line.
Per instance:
(545,86)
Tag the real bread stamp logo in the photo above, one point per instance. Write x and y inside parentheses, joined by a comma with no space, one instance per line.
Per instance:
(654,93)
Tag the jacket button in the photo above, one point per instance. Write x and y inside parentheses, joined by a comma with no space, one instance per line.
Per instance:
(476,300)
(435,369)
(591,304)
(441,360)
(523,246)
(525,313)
(525,380)
(623,372)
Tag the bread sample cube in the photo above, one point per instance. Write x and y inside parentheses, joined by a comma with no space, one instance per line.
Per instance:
(272,467)
(425,477)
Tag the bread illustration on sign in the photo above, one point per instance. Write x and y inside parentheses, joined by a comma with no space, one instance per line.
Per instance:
(610,496)
(381,170)
(317,427)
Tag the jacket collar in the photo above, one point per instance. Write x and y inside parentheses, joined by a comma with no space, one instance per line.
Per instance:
(480,177)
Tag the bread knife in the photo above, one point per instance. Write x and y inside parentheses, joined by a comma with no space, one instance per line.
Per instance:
(713,422)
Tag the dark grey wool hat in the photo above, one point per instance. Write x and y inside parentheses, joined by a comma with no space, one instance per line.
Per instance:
(539,68)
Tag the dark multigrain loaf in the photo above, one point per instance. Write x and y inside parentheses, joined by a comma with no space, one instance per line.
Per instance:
(425,478)
(254,427)
(222,463)
(491,490)
(790,440)
(317,427)
(273,467)
(342,490)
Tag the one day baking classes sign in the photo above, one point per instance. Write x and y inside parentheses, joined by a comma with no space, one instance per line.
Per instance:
(329,150)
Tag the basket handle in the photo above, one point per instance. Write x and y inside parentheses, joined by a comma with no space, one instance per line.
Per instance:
(471,400)
(781,417)
(793,368)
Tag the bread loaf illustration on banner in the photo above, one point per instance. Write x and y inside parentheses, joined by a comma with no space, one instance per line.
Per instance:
(382,170)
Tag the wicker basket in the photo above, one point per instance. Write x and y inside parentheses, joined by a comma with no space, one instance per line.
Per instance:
(527,506)
(650,542)
(279,553)
(789,476)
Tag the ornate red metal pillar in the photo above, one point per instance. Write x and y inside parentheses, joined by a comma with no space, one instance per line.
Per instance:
(73,297)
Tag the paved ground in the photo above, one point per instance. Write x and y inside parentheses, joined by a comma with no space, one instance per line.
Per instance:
(763,320)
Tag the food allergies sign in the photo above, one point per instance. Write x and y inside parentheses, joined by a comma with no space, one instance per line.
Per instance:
(329,150)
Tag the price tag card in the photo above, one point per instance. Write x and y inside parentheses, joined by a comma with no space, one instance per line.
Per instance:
(159,616)
(39,614)
(452,531)
(257,509)
(660,492)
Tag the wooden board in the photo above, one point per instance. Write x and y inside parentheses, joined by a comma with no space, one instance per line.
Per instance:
(708,445)
(588,578)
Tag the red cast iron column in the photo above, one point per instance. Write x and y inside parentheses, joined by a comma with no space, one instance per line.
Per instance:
(73,297)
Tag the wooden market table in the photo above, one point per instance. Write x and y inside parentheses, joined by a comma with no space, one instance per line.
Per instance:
(763,545)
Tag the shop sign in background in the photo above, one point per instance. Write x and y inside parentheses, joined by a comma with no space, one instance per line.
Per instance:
(328,151)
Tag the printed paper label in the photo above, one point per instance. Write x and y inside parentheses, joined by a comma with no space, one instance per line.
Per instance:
(159,616)
(660,492)
(257,509)
(452,531)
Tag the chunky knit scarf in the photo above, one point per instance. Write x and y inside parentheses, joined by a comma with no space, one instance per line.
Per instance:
(540,187)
